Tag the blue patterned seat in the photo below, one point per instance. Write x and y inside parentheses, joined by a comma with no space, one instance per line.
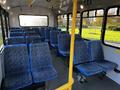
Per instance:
(47,34)
(41,63)
(17,69)
(42,34)
(82,61)
(33,39)
(64,44)
(16,40)
(15,34)
(54,38)
(98,56)
(16,30)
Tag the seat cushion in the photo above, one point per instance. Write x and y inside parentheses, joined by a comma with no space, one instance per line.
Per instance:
(107,65)
(17,81)
(89,69)
(54,45)
(67,53)
(43,74)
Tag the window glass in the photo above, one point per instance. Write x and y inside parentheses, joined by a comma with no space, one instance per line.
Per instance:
(85,14)
(119,11)
(112,11)
(91,13)
(100,12)
(32,20)
(77,23)
(112,34)
(91,28)
(1,39)
(4,25)
(62,22)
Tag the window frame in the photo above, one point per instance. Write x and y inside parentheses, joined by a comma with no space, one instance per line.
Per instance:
(81,20)
(105,24)
(34,15)
(66,22)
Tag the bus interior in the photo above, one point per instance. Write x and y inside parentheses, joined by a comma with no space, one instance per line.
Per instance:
(45,44)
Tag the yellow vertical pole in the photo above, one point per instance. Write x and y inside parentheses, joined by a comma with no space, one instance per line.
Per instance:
(30,2)
(72,42)
(68,86)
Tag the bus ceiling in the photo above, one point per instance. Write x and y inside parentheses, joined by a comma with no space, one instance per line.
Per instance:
(58,6)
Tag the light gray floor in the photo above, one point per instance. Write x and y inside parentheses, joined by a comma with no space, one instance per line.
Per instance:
(94,83)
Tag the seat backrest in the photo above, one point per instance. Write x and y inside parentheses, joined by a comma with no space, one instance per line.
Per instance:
(14,34)
(16,59)
(40,55)
(33,39)
(81,54)
(54,36)
(16,30)
(96,50)
(47,34)
(16,40)
(63,42)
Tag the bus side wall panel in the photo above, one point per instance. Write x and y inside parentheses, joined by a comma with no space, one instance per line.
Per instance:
(113,55)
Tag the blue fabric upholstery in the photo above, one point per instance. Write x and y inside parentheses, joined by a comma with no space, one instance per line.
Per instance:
(89,69)
(16,30)
(42,33)
(17,71)
(98,56)
(31,34)
(54,38)
(14,34)
(64,44)
(82,61)
(47,34)
(16,40)
(81,52)
(96,50)
(33,39)
(41,63)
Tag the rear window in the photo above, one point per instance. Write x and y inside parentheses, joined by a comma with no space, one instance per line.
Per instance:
(32,20)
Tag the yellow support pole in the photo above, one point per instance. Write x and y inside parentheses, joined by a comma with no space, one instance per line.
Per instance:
(68,86)
(30,2)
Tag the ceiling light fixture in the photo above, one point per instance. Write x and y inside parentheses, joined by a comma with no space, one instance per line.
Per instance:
(8,8)
(81,6)
(4,2)
(59,11)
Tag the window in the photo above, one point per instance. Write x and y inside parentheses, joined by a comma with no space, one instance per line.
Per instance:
(91,28)
(119,11)
(100,12)
(77,23)
(1,39)
(91,13)
(4,26)
(85,14)
(112,11)
(112,33)
(31,20)
(62,22)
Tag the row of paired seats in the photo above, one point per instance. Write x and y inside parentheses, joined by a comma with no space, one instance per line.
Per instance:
(56,38)
(89,58)
(25,36)
(44,33)
(25,66)
(24,40)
